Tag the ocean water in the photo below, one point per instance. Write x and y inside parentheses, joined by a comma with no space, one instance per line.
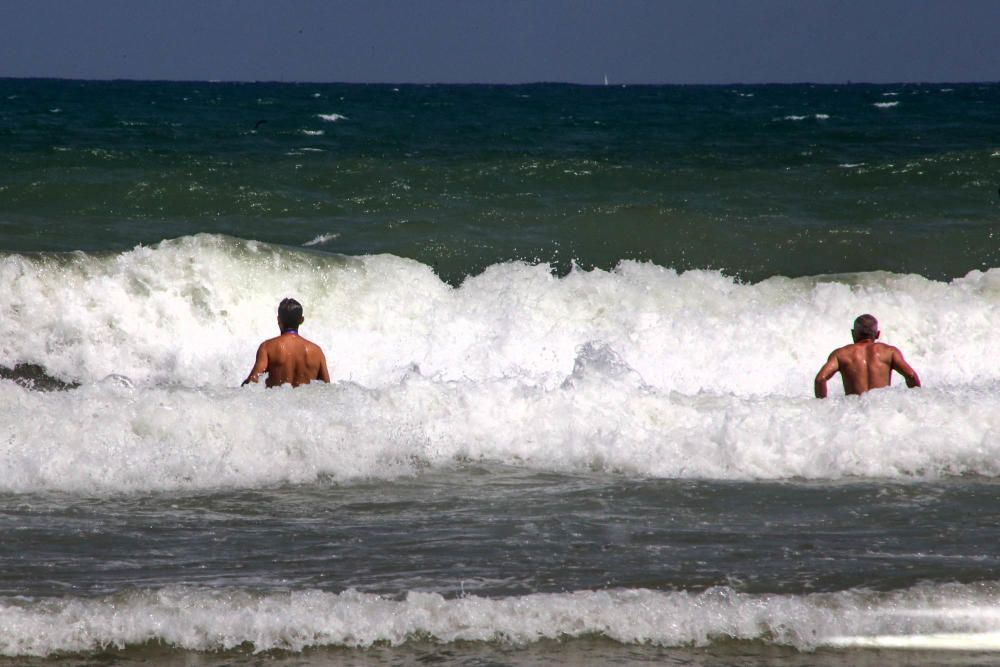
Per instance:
(572,333)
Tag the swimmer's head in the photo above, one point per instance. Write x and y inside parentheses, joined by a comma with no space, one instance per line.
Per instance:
(290,314)
(865,328)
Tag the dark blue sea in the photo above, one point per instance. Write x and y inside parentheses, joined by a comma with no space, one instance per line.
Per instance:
(572,333)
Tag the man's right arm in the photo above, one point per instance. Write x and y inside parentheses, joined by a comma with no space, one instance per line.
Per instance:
(899,365)
(828,370)
(323,373)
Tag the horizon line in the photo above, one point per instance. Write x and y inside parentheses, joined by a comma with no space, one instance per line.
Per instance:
(847,82)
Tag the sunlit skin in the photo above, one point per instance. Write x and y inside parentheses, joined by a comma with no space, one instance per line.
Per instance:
(289,358)
(865,364)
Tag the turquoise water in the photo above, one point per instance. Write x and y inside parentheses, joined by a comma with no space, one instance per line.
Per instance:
(755,181)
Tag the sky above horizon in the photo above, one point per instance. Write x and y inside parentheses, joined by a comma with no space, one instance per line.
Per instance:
(480,41)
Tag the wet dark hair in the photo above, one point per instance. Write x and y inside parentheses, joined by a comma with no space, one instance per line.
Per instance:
(866,326)
(289,314)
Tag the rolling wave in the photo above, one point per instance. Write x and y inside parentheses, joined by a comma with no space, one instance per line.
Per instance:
(191,312)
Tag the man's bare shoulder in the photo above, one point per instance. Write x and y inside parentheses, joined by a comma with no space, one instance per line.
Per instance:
(310,345)
(270,342)
(862,345)
(845,351)
(885,351)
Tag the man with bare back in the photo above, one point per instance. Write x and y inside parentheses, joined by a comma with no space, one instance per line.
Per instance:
(289,358)
(864,364)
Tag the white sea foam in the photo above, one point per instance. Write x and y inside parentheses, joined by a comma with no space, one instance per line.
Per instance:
(112,438)
(639,370)
(818,116)
(886,105)
(313,133)
(209,620)
(321,239)
(192,311)
(332,117)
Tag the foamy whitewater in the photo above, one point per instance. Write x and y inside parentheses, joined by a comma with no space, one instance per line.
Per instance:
(572,334)
(638,370)
(295,621)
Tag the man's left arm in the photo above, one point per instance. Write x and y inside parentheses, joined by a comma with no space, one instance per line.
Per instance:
(259,366)
(828,370)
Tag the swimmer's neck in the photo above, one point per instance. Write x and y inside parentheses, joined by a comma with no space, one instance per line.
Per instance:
(293,332)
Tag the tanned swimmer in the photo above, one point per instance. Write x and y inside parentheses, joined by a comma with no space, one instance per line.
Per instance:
(289,358)
(865,364)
